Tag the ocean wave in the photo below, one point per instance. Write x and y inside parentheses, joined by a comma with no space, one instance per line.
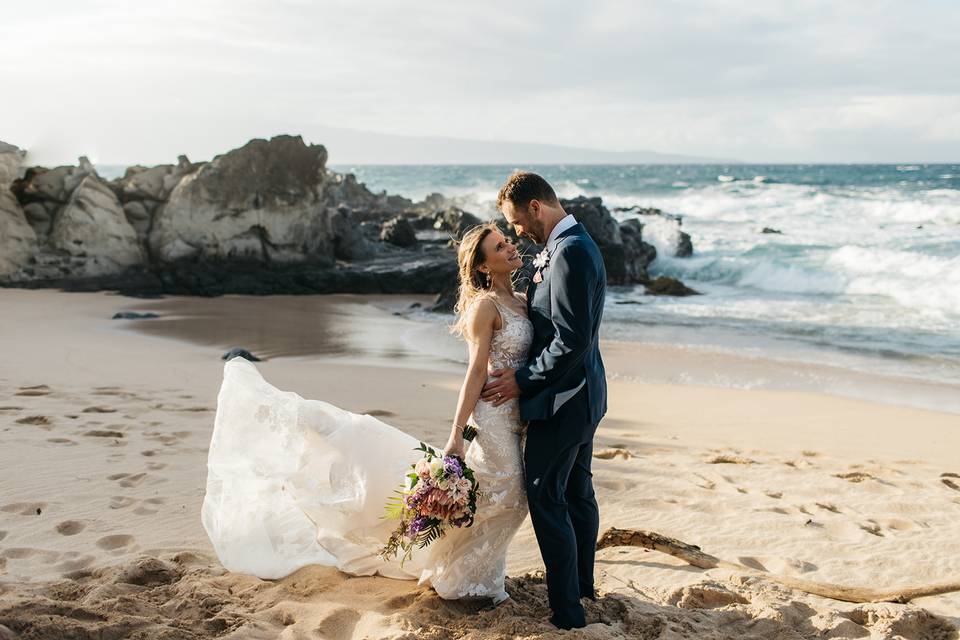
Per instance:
(912,279)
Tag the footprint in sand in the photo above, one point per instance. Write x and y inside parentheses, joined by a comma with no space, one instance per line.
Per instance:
(776,495)
(379,413)
(156,466)
(114,542)
(11,408)
(37,420)
(947,478)
(66,441)
(339,624)
(70,527)
(127,480)
(36,390)
(3,534)
(166,439)
(103,433)
(826,506)
(779,510)
(148,453)
(99,410)
(854,476)
(24,508)
(121,502)
(753,563)
(18,553)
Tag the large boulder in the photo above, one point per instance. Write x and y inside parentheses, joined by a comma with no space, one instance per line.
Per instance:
(625,254)
(93,226)
(11,164)
(263,202)
(17,238)
(399,232)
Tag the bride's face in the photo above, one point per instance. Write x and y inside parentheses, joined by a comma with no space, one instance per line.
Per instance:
(500,255)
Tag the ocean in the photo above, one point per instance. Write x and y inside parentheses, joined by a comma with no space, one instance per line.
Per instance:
(863,276)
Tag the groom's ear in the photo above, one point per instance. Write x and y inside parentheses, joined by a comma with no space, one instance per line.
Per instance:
(534,208)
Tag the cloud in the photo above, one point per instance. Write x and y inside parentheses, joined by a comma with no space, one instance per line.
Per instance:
(772,81)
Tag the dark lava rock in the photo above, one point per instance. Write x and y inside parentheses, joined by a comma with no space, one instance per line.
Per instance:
(771,230)
(399,232)
(637,254)
(684,246)
(667,286)
(238,352)
(133,315)
(455,221)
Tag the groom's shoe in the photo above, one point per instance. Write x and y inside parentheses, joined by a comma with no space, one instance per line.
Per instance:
(563,623)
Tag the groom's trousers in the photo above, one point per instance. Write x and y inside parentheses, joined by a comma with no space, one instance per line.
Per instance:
(563,509)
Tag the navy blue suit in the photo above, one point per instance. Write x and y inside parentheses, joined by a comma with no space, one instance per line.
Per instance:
(563,395)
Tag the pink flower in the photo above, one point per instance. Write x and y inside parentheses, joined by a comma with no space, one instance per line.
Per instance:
(422,468)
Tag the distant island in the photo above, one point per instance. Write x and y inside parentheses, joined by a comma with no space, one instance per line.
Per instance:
(366,147)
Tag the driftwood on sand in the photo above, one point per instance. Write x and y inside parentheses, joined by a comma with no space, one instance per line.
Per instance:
(692,555)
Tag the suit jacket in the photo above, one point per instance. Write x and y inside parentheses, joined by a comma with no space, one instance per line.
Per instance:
(566,308)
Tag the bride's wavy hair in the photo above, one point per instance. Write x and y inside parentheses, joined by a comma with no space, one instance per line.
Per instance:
(471,282)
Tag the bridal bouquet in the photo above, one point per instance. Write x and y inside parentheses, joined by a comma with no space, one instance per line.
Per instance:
(439,492)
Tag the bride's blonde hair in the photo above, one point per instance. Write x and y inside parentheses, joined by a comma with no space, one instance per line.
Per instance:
(472,283)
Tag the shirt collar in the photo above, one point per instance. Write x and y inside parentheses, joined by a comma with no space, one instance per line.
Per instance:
(565,223)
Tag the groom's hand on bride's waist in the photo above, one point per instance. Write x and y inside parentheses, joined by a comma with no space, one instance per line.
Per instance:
(502,388)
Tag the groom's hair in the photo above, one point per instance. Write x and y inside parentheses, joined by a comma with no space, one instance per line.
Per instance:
(522,187)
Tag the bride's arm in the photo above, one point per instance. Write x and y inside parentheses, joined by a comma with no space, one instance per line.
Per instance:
(481,322)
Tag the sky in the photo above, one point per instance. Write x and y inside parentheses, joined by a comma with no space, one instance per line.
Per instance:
(771,81)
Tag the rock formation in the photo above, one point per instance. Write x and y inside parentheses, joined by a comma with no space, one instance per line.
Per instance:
(266,218)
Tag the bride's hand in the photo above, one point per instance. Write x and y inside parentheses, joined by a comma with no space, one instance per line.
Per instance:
(455,446)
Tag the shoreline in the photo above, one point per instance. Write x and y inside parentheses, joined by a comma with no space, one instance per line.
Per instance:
(361,321)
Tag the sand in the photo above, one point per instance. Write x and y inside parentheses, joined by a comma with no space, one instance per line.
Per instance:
(104,426)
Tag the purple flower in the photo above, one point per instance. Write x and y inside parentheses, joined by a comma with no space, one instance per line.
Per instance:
(417,525)
(452,466)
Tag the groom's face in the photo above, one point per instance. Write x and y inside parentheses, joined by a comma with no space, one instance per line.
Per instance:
(525,221)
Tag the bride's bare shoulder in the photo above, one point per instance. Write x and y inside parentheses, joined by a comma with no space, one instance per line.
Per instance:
(483,315)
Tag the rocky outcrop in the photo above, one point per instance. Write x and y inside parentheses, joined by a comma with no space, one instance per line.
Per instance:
(667,286)
(625,255)
(261,203)
(266,218)
(678,242)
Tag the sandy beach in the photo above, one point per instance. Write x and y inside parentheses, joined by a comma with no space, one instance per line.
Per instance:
(104,426)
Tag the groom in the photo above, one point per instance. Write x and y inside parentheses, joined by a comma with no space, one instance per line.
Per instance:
(562,389)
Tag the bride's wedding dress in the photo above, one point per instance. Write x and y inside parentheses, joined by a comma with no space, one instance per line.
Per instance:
(293,482)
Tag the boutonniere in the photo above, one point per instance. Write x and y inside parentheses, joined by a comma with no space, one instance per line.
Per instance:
(541,261)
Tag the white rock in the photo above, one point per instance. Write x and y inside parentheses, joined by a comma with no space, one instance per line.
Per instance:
(17,238)
(93,225)
(11,164)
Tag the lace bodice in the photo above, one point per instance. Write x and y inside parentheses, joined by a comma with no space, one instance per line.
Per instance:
(511,343)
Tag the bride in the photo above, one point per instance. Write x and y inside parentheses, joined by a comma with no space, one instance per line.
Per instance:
(293,482)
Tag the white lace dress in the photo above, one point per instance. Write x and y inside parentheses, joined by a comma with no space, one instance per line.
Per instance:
(293,482)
